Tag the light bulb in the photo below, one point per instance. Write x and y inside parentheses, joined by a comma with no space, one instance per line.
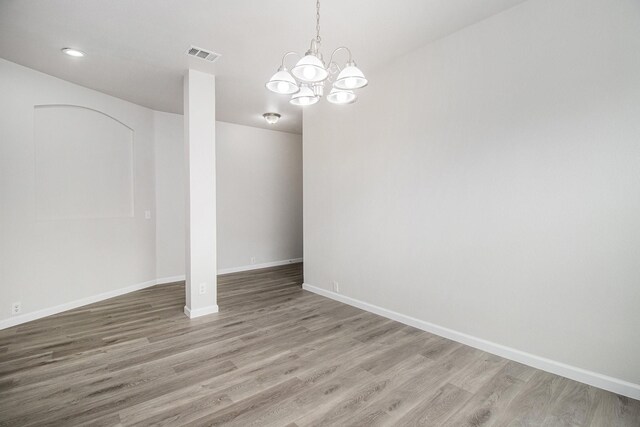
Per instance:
(304,97)
(283,87)
(309,72)
(350,78)
(310,69)
(350,82)
(341,96)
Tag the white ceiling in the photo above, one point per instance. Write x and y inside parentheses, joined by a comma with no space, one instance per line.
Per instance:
(136,48)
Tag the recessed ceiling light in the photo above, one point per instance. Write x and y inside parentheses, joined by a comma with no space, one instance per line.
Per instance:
(73,52)
(271,118)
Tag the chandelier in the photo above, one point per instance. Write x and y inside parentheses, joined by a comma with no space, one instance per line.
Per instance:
(307,79)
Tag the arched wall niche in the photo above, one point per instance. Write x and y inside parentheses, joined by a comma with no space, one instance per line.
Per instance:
(84,163)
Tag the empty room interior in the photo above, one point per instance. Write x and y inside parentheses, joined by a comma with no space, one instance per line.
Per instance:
(320,213)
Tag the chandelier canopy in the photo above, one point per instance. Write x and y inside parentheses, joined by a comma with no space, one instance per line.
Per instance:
(306,80)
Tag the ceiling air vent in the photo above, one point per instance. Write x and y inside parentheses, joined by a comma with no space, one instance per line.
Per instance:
(202,54)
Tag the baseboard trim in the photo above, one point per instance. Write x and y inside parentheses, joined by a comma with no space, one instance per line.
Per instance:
(171,279)
(39,314)
(192,314)
(595,379)
(259,266)
(28,317)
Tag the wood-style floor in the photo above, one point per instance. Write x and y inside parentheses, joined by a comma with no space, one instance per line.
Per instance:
(274,355)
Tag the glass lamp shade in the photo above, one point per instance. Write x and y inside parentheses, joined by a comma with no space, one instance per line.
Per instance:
(350,78)
(283,83)
(338,96)
(310,69)
(304,97)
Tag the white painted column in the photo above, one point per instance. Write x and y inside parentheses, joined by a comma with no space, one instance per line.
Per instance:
(200,134)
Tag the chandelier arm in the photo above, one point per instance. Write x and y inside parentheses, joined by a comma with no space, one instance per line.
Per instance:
(285,56)
(331,73)
(336,50)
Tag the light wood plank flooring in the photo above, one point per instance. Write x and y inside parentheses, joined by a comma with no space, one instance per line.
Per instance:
(274,355)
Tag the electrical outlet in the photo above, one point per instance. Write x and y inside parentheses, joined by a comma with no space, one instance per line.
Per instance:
(336,287)
(147,214)
(203,288)
(253,260)
(16,308)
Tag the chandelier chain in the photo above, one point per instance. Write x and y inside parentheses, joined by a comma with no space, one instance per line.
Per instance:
(318,39)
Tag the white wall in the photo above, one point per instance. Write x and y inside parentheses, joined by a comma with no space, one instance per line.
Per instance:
(259,195)
(170,199)
(77,176)
(92,237)
(489,183)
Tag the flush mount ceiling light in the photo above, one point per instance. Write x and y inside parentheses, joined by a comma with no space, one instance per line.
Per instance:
(308,77)
(271,118)
(73,52)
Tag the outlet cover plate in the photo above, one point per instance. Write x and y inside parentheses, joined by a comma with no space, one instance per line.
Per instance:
(16,308)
